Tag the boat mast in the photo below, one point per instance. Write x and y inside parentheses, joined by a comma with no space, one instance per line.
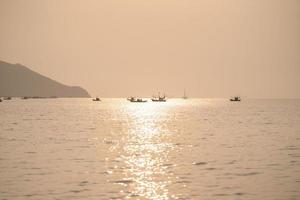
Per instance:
(184,94)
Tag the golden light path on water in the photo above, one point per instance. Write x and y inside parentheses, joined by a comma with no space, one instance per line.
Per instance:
(144,151)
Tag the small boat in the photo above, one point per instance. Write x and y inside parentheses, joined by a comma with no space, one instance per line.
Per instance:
(236,98)
(0,100)
(7,98)
(97,99)
(159,98)
(25,98)
(136,100)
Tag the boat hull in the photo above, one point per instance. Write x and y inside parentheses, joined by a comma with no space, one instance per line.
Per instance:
(156,100)
(144,101)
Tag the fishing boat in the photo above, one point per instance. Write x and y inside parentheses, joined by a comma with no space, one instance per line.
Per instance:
(97,99)
(159,98)
(236,98)
(136,100)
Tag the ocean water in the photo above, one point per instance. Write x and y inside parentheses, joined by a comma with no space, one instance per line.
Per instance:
(181,149)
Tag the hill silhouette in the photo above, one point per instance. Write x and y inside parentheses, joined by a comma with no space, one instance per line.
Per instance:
(17,80)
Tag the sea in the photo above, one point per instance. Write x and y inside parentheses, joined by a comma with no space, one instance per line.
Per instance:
(203,149)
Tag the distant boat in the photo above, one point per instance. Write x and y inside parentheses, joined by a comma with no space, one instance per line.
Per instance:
(236,98)
(97,99)
(136,100)
(24,98)
(184,95)
(159,98)
(0,100)
(7,98)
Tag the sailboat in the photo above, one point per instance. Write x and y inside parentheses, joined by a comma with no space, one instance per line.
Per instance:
(184,95)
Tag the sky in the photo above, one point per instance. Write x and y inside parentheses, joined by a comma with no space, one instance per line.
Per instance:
(120,48)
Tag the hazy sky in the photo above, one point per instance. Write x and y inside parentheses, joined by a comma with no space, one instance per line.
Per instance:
(213,48)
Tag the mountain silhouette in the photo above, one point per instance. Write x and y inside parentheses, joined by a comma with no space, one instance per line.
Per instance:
(17,80)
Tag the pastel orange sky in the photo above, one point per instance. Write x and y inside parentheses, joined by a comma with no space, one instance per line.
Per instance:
(117,48)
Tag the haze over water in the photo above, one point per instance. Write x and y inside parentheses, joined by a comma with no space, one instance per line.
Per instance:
(213,48)
(180,149)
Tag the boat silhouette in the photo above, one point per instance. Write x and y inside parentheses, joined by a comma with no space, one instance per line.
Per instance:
(159,98)
(236,98)
(136,100)
(97,99)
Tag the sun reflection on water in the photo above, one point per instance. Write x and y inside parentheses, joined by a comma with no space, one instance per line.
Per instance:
(145,151)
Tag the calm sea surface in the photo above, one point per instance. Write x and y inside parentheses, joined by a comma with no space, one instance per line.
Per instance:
(181,149)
